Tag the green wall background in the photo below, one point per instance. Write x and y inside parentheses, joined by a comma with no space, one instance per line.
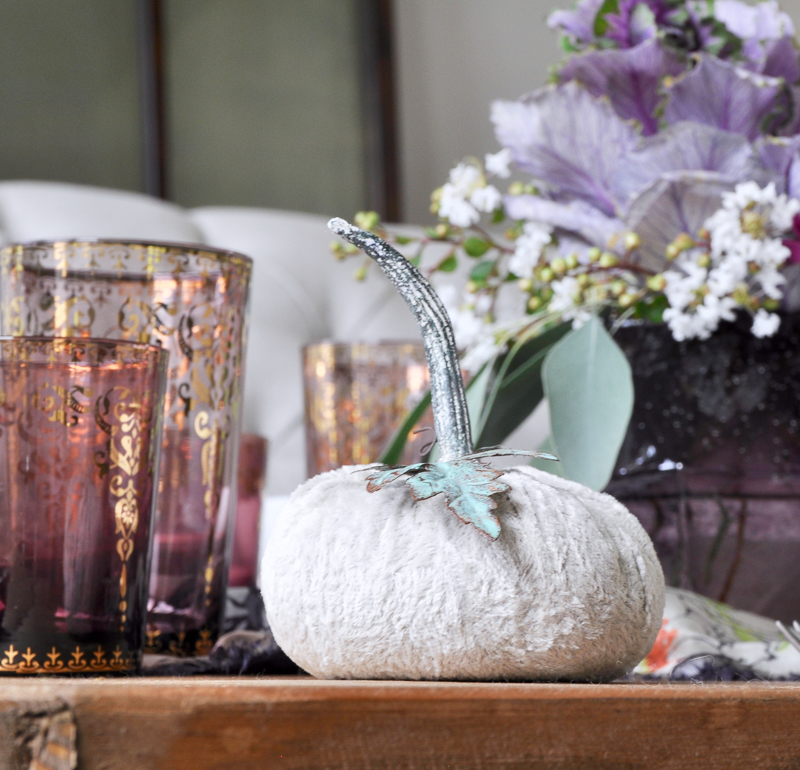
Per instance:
(263,99)
(69,92)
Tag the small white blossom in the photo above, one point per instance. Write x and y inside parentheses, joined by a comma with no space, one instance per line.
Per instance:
(498,163)
(528,248)
(783,212)
(483,304)
(486,199)
(467,326)
(474,337)
(454,203)
(765,324)
(771,282)
(465,178)
(684,282)
(455,209)
(680,324)
(725,277)
(479,354)
(566,299)
(713,310)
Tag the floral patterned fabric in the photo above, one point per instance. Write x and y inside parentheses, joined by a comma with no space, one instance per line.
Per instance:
(703,639)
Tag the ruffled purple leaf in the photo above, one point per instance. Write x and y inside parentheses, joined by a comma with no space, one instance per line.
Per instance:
(760,21)
(577,217)
(676,203)
(780,59)
(634,22)
(577,25)
(631,78)
(781,156)
(720,94)
(690,147)
(792,126)
(567,138)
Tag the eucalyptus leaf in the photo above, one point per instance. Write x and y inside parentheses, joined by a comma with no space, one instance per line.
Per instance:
(588,382)
(476,397)
(517,387)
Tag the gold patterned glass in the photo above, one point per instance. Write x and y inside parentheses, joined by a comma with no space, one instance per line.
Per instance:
(80,437)
(192,301)
(356,396)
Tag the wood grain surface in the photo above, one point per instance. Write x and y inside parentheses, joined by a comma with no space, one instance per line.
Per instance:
(297,722)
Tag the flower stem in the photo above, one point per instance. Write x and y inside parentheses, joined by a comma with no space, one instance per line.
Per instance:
(450,416)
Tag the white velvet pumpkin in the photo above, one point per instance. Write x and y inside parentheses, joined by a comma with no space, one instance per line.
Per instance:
(375,586)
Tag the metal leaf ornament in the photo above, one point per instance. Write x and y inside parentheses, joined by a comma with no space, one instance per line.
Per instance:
(467,483)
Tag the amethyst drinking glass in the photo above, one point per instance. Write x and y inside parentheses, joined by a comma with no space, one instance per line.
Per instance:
(192,301)
(80,437)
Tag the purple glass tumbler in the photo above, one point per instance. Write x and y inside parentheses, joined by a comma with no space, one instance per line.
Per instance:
(80,437)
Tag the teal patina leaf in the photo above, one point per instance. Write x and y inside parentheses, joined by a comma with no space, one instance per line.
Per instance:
(386,474)
(467,484)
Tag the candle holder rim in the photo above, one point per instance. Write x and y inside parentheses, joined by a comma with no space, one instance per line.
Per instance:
(224,255)
(340,345)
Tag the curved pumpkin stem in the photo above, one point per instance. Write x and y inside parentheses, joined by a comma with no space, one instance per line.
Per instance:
(450,416)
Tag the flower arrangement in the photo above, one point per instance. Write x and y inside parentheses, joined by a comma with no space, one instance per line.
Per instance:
(656,177)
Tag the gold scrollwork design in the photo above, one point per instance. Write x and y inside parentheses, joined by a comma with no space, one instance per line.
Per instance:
(207,431)
(204,644)
(29,662)
(63,407)
(125,457)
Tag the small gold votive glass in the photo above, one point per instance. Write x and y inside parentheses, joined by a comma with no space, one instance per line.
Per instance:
(357,396)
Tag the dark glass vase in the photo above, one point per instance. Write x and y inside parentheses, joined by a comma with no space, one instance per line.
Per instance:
(711,461)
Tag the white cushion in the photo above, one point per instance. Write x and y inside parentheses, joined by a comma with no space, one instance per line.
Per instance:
(32,211)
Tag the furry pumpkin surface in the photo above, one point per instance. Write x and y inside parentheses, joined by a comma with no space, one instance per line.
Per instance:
(379,586)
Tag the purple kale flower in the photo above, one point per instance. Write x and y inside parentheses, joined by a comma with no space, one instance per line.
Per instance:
(577,25)
(568,139)
(676,203)
(723,95)
(635,21)
(691,147)
(775,58)
(760,21)
(631,78)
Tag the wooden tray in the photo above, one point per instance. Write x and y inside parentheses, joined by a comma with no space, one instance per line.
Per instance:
(298,722)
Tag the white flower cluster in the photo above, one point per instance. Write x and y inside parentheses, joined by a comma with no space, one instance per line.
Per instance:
(473,335)
(742,262)
(528,249)
(467,195)
(566,300)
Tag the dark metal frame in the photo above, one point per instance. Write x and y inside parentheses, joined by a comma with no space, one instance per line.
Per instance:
(376,62)
(153,105)
(378,106)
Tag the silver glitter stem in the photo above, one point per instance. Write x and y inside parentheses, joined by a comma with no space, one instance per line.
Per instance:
(450,416)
